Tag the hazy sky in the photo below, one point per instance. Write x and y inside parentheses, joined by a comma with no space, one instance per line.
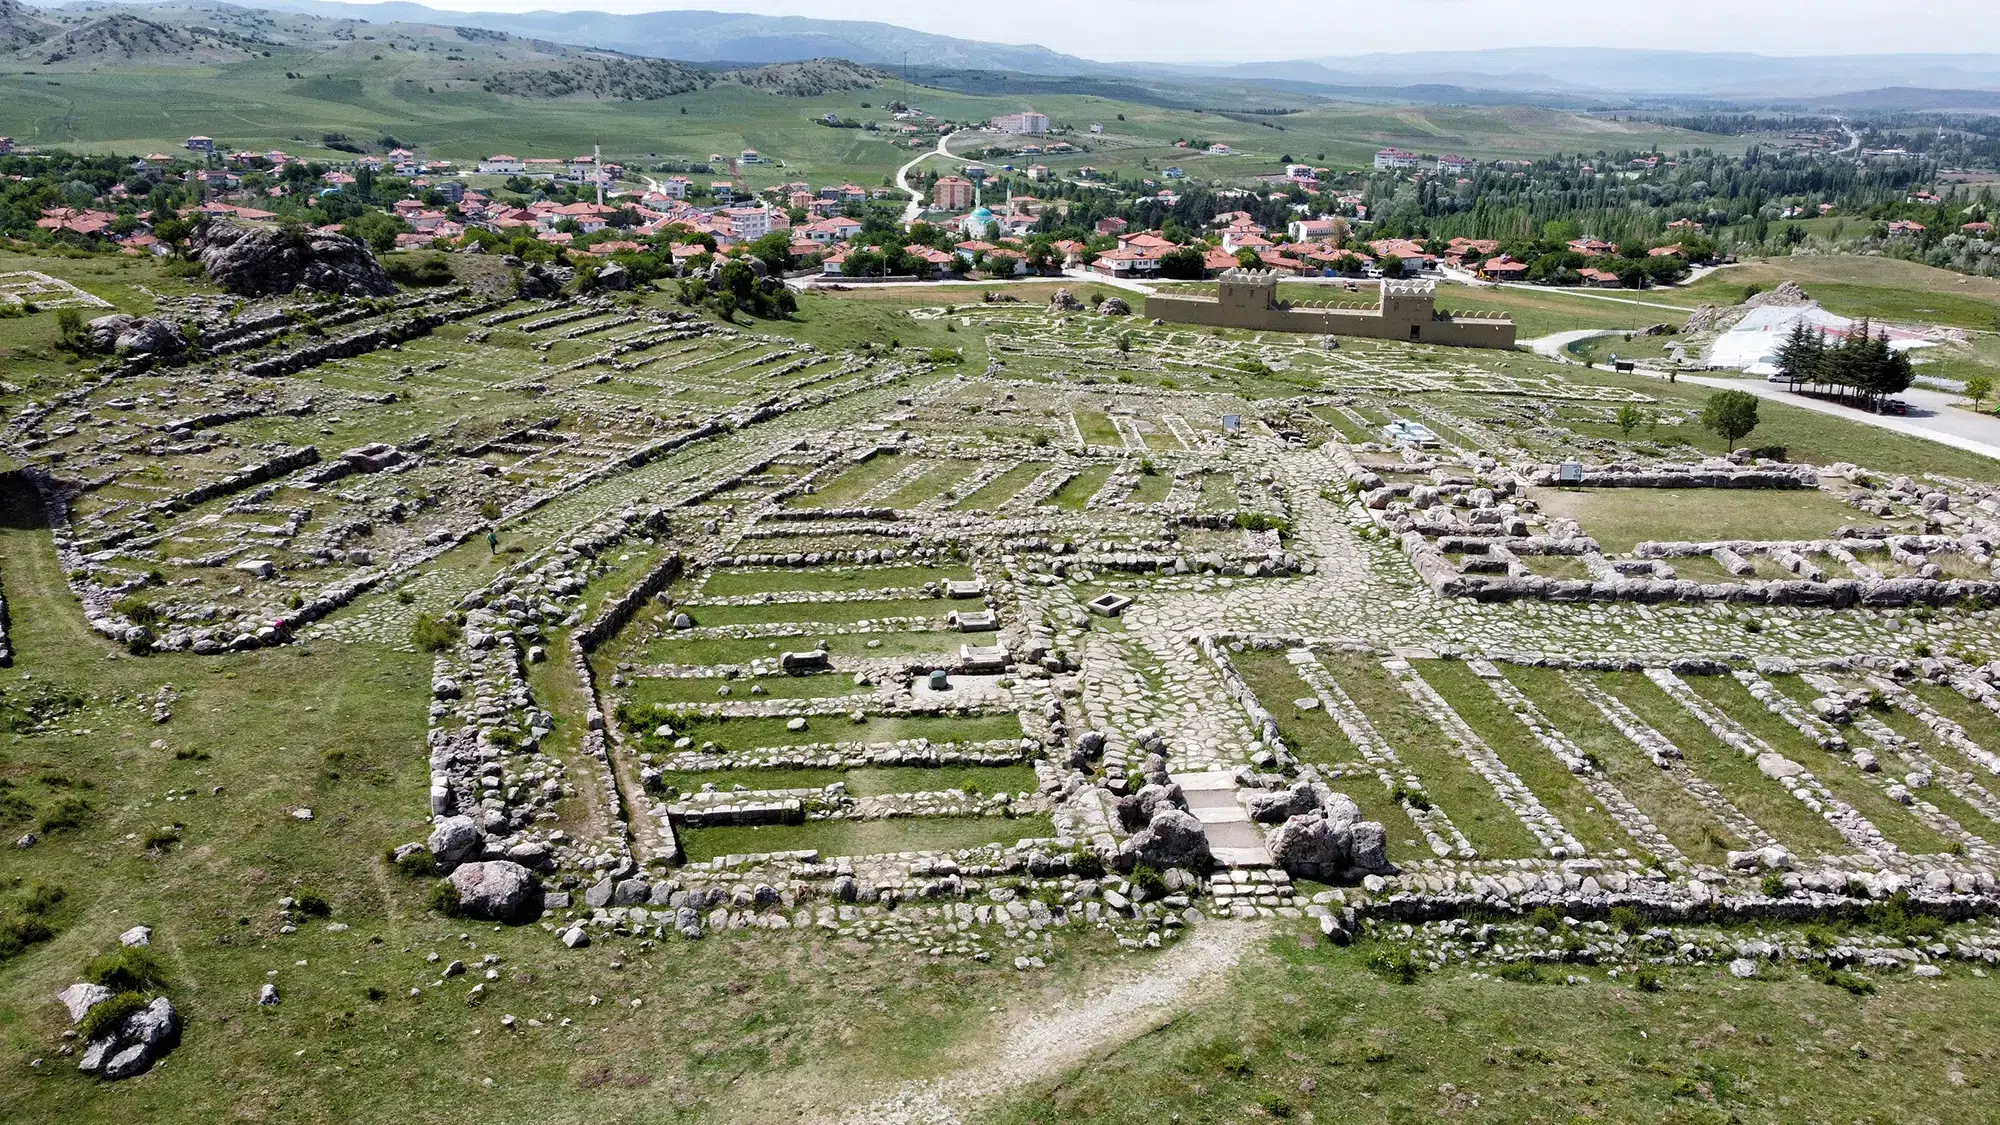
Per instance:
(1196,30)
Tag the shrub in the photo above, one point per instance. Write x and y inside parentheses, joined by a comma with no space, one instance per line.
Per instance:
(311,905)
(434,634)
(1627,919)
(1773,885)
(1521,972)
(416,864)
(946,357)
(66,815)
(17,934)
(104,1019)
(444,898)
(129,969)
(1394,963)
(138,610)
(1646,980)
(1148,879)
(1826,974)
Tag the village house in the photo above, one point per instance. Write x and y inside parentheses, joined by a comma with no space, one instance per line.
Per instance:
(1392,159)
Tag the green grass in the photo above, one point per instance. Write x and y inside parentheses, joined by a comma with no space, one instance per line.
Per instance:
(1678,816)
(1559,790)
(1621,518)
(1898,825)
(733,650)
(821,613)
(734,583)
(646,691)
(864,837)
(1073,496)
(870,781)
(1544,312)
(1316,738)
(847,486)
(1878,288)
(1096,428)
(1784,816)
(1447,779)
(1153,487)
(933,484)
(745,734)
(1980,725)
(1809,438)
(1002,488)
(1312,1034)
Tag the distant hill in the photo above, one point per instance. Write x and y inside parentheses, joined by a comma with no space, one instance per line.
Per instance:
(1905,99)
(810,78)
(600,77)
(20,26)
(121,39)
(724,36)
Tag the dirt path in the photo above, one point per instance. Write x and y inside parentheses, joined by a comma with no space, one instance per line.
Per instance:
(1090,1026)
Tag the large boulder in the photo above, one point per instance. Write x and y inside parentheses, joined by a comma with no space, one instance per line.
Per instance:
(1173,838)
(499,890)
(1114,306)
(136,335)
(1137,810)
(538,281)
(1276,808)
(263,261)
(1065,301)
(455,839)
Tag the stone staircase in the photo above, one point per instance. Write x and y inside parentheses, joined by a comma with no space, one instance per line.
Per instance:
(1214,799)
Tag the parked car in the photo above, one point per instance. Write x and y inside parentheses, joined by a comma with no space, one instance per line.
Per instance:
(1892,406)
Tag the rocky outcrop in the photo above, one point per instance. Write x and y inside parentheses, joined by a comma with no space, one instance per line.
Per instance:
(140,1040)
(1115,306)
(1173,838)
(1321,834)
(134,335)
(263,261)
(455,839)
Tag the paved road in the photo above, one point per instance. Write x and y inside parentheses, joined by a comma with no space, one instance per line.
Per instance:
(915,210)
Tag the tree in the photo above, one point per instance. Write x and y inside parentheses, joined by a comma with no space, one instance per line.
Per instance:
(1977,388)
(1730,415)
(69,325)
(1802,357)
(1629,418)
(1182,263)
(775,250)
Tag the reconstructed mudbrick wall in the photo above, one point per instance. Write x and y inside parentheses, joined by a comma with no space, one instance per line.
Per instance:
(1248,299)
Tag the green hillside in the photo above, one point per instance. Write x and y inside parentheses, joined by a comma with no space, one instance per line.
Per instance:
(421,98)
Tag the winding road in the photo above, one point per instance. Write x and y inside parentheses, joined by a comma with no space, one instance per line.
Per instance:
(915,210)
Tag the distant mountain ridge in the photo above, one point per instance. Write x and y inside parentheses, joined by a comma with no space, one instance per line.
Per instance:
(697,36)
(1569,77)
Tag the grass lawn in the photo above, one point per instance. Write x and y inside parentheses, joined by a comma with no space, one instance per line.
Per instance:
(1621,518)
(1153,487)
(1096,428)
(744,734)
(1678,816)
(1559,790)
(1073,496)
(1981,725)
(648,690)
(1316,738)
(820,613)
(1898,824)
(735,650)
(1002,488)
(867,782)
(934,483)
(1784,816)
(1809,438)
(1312,1034)
(847,486)
(1448,781)
(1545,312)
(734,583)
(864,837)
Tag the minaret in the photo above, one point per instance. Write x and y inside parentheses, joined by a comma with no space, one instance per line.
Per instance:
(597,170)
